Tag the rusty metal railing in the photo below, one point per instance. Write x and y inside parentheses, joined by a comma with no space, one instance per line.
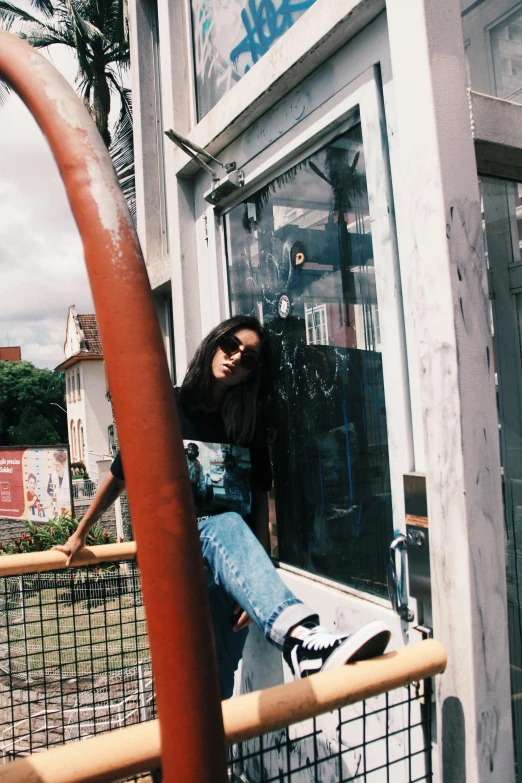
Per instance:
(159,492)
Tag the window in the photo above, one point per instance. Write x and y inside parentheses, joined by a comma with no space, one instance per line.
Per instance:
(81,441)
(78,389)
(229,38)
(316,326)
(300,257)
(75,454)
(493,47)
(79,435)
(68,386)
(506,48)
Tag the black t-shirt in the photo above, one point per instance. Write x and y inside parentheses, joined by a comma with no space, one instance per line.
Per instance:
(222,475)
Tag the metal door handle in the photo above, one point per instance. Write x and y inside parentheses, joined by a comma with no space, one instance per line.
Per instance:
(397,587)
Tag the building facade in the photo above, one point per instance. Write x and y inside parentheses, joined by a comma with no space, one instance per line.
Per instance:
(368,214)
(89,412)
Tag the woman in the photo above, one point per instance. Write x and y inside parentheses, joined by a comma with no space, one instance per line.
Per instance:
(219,404)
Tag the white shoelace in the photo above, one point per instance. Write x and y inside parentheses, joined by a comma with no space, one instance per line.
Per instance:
(318,638)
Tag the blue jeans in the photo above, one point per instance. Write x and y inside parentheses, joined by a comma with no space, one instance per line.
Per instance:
(238,570)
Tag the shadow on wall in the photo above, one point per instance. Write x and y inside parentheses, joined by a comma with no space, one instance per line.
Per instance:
(453,742)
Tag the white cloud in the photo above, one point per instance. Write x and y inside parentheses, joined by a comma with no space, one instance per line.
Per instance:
(42,270)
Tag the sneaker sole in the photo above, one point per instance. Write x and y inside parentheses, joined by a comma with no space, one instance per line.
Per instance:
(370,641)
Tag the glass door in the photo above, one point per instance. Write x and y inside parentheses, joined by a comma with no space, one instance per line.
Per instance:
(311,252)
(502,201)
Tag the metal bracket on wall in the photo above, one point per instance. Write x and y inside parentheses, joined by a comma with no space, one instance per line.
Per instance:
(221,188)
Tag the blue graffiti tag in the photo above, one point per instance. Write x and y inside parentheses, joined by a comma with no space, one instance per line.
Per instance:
(265,24)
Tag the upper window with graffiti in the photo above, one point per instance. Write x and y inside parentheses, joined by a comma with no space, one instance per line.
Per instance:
(230,36)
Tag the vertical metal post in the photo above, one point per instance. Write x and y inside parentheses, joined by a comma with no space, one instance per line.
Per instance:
(24,625)
(444,280)
(142,698)
(174,591)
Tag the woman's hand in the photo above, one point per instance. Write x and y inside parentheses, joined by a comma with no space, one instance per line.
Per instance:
(72,546)
(243,621)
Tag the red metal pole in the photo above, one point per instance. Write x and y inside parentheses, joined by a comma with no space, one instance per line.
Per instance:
(178,618)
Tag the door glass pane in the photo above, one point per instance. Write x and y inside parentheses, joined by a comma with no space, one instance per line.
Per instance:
(300,257)
(502,205)
(230,36)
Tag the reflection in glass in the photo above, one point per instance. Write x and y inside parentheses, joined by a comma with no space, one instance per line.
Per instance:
(502,205)
(493,46)
(230,36)
(506,47)
(307,235)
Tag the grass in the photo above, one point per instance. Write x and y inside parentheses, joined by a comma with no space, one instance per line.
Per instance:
(87,637)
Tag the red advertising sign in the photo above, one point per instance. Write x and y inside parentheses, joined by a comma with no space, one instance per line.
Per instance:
(34,482)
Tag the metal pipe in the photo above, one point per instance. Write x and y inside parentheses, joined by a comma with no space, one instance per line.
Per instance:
(136,749)
(52,560)
(164,523)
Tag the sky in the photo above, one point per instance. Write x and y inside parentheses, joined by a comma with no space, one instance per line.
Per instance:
(42,270)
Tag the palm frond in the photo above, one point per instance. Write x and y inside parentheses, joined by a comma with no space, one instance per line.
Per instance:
(41,35)
(84,30)
(122,148)
(10,13)
(45,7)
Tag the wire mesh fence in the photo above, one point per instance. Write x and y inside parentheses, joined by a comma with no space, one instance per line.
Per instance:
(75,662)
(386,739)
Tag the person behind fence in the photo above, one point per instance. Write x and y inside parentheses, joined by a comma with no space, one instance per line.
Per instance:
(218,404)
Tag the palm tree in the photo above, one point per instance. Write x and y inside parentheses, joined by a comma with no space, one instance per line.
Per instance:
(97,32)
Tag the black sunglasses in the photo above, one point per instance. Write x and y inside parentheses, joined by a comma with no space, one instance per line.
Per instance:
(231,345)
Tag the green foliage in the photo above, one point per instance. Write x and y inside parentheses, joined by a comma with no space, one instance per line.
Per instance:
(28,416)
(79,471)
(40,537)
(97,32)
(33,430)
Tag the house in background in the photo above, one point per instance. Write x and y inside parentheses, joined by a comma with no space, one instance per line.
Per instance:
(11,354)
(89,413)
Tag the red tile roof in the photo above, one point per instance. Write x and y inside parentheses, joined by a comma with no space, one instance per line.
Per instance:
(13,354)
(89,327)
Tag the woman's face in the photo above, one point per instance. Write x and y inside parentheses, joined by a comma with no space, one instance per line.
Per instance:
(227,368)
(31,485)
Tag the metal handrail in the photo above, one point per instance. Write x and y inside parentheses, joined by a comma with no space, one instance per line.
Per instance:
(52,560)
(137,749)
(159,491)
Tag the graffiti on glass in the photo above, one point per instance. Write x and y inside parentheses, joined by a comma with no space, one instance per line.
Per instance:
(230,36)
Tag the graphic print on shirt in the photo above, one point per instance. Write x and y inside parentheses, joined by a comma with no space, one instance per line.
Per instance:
(219,476)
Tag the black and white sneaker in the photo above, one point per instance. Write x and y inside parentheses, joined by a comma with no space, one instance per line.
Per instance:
(319,650)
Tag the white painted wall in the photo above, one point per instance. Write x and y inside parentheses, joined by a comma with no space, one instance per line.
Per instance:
(95,413)
(98,414)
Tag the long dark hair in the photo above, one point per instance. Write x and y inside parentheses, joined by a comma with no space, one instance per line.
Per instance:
(241,403)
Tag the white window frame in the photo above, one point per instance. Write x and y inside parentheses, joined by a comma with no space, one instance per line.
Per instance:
(319,331)
(358,101)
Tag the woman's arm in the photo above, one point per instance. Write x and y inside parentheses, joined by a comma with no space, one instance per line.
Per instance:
(107,494)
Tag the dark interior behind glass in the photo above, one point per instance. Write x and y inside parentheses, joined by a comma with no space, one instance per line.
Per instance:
(300,257)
